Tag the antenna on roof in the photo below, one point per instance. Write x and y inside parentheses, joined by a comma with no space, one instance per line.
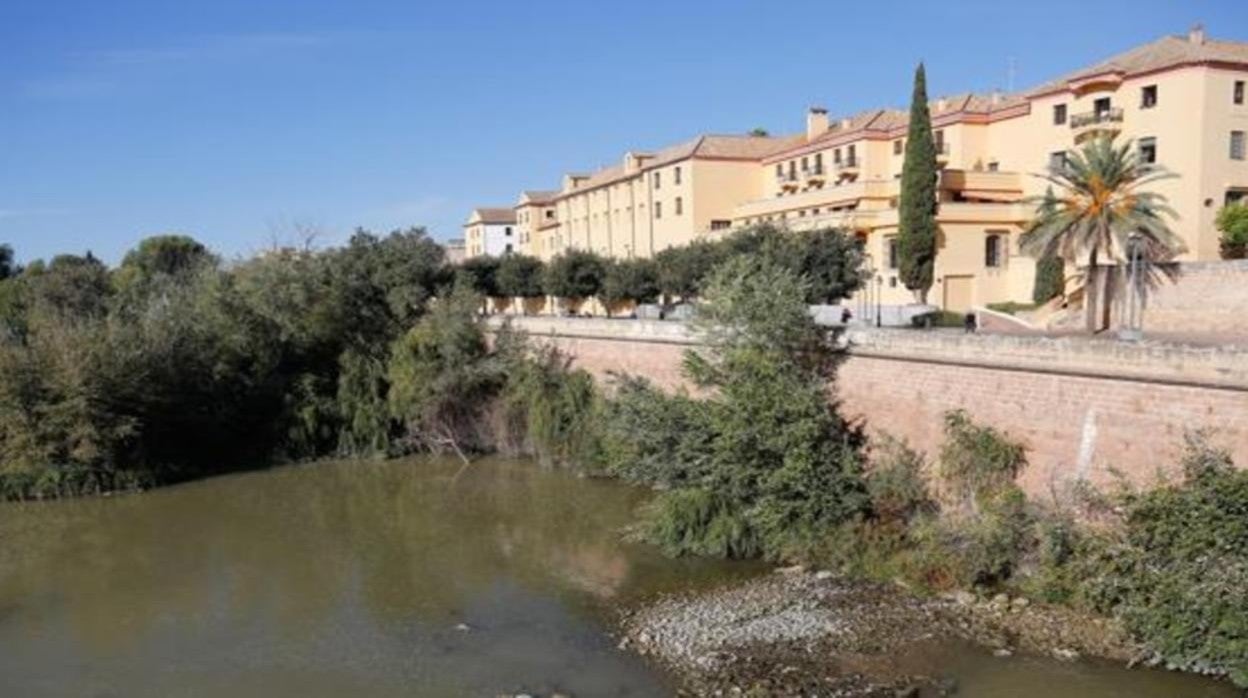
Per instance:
(1011,67)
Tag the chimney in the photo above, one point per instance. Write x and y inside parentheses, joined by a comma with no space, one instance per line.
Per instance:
(1196,34)
(996,97)
(816,122)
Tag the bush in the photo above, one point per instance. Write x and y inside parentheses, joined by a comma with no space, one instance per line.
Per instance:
(897,484)
(553,406)
(653,438)
(781,468)
(977,463)
(519,276)
(1177,574)
(1050,279)
(574,275)
(1232,221)
(630,281)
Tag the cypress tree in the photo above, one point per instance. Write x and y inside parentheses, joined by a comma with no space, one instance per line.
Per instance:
(917,216)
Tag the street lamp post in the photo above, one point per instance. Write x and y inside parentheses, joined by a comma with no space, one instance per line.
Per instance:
(879,288)
(1133,331)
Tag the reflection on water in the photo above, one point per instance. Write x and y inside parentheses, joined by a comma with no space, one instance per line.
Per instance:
(372,579)
(328,579)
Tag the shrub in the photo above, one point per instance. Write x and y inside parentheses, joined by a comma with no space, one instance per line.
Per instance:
(1232,221)
(782,468)
(630,281)
(977,462)
(896,483)
(653,438)
(1050,279)
(554,406)
(1177,574)
(519,276)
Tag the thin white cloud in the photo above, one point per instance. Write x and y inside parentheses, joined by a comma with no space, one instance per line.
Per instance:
(99,73)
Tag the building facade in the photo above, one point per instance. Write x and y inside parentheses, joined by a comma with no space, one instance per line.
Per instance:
(1179,100)
(490,232)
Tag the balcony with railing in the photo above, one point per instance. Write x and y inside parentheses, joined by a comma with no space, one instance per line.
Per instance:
(787,181)
(846,167)
(1101,121)
(814,175)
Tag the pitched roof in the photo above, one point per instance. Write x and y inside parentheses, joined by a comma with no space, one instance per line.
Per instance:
(711,146)
(496,215)
(1166,52)
(537,196)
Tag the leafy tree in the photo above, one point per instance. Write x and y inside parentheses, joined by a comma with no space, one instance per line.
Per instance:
(781,467)
(8,267)
(481,275)
(682,269)
(574,275)
(630,280)
(441,378)
(829,259)
(759,132)
(1232,221)
(917,227)
(162,254)
(69,285)
(520,276)
(1101,201)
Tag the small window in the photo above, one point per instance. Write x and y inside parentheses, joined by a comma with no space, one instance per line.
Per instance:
(836,156)
(722,224)
(1102,106)
(994,166)
(1237,145)
(851,155)
(680,205)
(1057,160)
(676,176)
(898,146)
(1238,97)
(657,181)
(508,250)
(1148,97)
(1059,114)
(779,169)
(805,164)
(992,250)
(792,169)
(658,209)
(507,231)
(818,163)
(1148,151)
(893,253)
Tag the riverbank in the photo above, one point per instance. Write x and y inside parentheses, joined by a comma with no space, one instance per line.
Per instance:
(797,632)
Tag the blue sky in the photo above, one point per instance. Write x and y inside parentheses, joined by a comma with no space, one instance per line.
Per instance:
(242,123)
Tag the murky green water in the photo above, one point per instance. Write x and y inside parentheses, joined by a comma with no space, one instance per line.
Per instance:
(354,579)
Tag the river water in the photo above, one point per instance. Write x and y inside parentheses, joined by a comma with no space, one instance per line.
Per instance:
(399,578)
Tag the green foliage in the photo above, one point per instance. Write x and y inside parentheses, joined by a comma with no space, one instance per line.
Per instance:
(682,269)
(655,438)
(574,275)
(1177,573)
(1050,279)
(171,367)
(519,276)
(896,483)
(780,467)
(917,227)
(978,463)
(630,281)
(441,379)
(553,406)
(1011,307)
(1232,221)
(481,275)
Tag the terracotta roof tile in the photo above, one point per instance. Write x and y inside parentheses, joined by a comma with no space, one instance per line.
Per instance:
(494,214)
(1166,52)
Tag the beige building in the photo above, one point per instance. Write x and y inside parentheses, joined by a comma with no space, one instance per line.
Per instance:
(1180,100)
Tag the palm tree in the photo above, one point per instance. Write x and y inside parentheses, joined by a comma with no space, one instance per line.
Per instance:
(1100,209)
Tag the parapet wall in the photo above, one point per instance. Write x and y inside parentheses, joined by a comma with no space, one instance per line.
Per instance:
(1206,297)
(1084,408)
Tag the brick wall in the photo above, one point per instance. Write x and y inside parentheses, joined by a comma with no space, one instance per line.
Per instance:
(1084,408)
(1205,297)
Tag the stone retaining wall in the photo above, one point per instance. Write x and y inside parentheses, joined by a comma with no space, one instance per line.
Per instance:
(1084,408)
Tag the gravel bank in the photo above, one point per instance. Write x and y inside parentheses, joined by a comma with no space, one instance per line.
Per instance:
(795,632)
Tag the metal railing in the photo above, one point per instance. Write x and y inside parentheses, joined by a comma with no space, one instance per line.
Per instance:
(1092,118)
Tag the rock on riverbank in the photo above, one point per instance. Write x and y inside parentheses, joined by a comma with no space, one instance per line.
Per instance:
(817,634)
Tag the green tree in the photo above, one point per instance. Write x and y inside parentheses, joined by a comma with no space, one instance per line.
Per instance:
(1232,221)
(829,259)
(1101,202)
(8,267)
(630,281)
(1050,279)
(162,254)
(780,467)
(520,276)
(917,229)
(682,269)
(574,275)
